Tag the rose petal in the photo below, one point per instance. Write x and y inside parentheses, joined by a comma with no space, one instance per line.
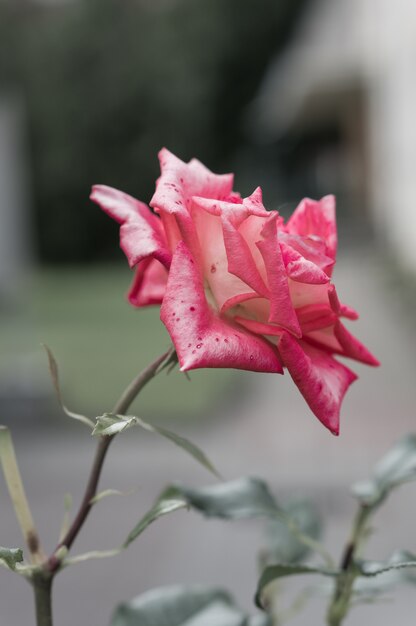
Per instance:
(321,380)
(300,268)
(250,229)
(240,261)
(316,219)
(324,339)
(303,294)
(180,181)
(213,260)
(234,212)
(241,298)
(141,232)
(353,348)
(314,317)
(177,184)
(259,327)
(200,336)
(282,312)
(149,284)
(311,248)
(340,309)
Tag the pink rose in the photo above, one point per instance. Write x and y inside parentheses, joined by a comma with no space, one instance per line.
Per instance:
(238,287)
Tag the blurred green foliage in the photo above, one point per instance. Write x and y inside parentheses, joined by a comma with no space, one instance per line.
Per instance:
(100,344)
(107,83)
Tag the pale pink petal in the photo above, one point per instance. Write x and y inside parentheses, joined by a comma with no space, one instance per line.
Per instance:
(321,380)
(259,327)
(336,339)
(300,268)
(200,336)
(255,308)
(250,229)
(315,317)
(180,181)
(353,348)
(170,225)
(316,218)
(149,284)
(141,232)
(282,312)
(303,294)
(175,187)
(241,298)
(324,339)
(234,211)
(213,260)
(240,261)
(254,204)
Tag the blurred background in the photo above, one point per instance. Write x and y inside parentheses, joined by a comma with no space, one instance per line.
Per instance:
(302,97)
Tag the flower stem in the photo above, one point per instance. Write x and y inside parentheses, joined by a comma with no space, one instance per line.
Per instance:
(42,586)
(120,407)
(341,599)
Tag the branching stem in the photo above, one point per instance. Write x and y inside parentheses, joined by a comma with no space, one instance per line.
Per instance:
(43,576)
(341,600)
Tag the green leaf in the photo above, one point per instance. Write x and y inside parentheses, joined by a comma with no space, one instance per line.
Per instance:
(110,492)
(397,562)
(238,499)
(11,556)
(169,501)
(281,570)
(53,369)
(284,535)
(183,443)
(398,466)
(377,578)
(193,605)
(110,424)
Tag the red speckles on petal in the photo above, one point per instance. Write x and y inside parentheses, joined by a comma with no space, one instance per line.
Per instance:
(204,329)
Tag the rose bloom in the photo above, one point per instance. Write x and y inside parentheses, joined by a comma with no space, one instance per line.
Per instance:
(237,286)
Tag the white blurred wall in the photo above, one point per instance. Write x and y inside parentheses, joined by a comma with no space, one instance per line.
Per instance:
(370,43)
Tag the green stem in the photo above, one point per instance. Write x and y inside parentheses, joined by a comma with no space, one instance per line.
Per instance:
(42,586)
(341,599)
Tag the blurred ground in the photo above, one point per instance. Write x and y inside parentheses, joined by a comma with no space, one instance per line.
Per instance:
(266,431)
